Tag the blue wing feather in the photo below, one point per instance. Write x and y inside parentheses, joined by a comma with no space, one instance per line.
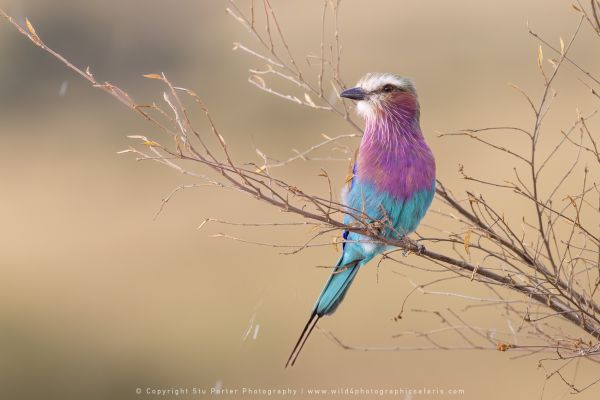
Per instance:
(402,217)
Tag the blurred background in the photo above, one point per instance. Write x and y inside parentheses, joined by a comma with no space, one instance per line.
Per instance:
(97,298)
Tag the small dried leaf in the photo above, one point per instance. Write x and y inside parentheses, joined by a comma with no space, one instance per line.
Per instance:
(501,346)
(30,27)
(540,57)
(573,203)
(474,272)
(153,76)
(151,143)
(137,137)
(313,228)
(349,177)
(33,34)
(309,100)
(258,80)
(203,223)
(261,154)
(350,169)
(562,46)
(334,242)
(467,241)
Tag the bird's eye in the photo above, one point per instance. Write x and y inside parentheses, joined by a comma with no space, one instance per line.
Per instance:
(388,88)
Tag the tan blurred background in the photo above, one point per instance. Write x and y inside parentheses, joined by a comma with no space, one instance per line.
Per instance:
(98,299)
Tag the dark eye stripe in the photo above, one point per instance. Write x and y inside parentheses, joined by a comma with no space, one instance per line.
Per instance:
(388,88)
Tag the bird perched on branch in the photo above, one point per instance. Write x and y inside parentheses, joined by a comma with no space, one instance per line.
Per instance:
(392,182)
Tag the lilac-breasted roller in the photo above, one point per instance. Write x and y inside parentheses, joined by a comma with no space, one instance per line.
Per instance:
(393,181)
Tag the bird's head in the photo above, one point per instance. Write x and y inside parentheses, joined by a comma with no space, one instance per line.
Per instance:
(378,94)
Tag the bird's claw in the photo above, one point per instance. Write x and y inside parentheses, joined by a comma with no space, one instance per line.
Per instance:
(420,250)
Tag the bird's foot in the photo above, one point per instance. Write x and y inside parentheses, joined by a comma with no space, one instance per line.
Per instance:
(420,248)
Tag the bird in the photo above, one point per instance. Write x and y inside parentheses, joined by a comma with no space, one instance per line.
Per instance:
(392,182)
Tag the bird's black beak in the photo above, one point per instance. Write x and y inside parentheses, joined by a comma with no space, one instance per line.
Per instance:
(356,93)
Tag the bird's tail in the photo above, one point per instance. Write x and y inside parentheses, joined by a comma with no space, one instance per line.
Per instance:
(310,325)
(333,293)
